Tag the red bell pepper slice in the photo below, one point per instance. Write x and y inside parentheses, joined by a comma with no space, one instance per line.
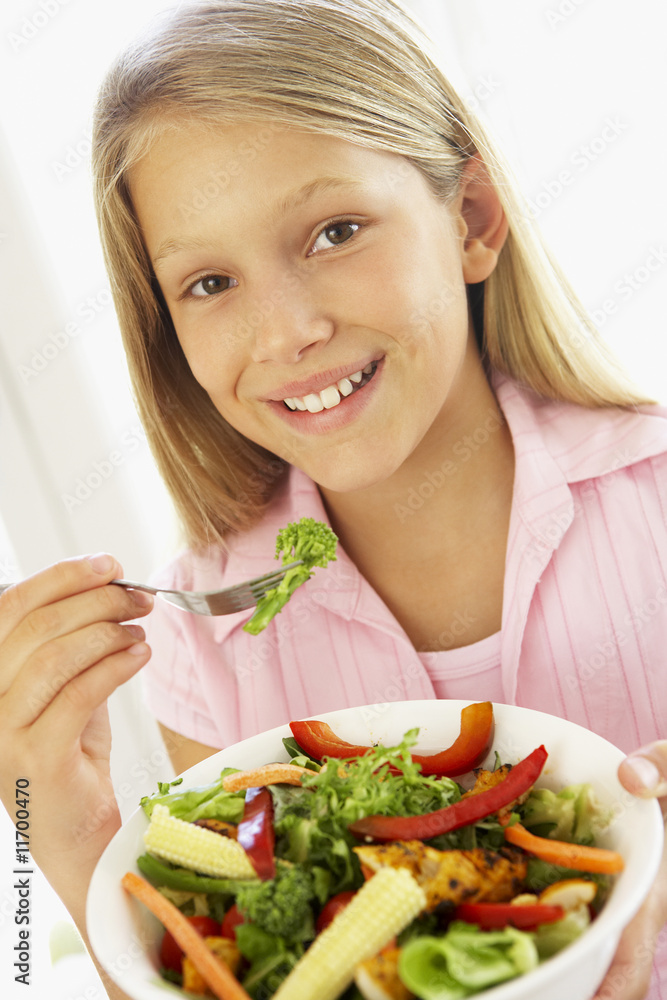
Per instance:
(231,920)
(171,954)
(318,740)
(462,813)
(472,744)
(255,831)
(469,748)
(332,908)
(490,916)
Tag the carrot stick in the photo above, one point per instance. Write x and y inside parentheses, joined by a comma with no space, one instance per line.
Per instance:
(268,774)
(558,852)
(218,976)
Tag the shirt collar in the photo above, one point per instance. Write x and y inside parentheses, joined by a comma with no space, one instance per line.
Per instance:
(584,443)
(557,444)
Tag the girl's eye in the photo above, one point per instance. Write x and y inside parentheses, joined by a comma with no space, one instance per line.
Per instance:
(212,284)
(335,234)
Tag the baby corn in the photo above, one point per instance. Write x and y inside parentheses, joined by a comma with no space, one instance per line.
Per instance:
(195,847)
(384,905)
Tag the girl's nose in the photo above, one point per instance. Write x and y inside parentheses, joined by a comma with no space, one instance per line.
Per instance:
(284,327)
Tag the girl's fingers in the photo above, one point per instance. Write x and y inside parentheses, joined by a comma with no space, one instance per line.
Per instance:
(644,773)
(58,663)
(629,975)
(46,624)
(63,721)
(72,576)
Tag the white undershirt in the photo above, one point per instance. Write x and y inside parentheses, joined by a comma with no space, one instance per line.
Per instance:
(471,672)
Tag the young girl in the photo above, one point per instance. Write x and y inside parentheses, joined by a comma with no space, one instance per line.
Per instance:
(334,305)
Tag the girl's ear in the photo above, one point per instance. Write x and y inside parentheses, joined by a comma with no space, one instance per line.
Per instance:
(482,222)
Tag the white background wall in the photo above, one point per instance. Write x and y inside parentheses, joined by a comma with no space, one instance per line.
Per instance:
(574,91)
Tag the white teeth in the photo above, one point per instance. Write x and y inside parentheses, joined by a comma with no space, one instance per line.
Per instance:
(330,397)
(313,402)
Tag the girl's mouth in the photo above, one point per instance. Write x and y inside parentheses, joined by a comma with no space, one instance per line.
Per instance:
(330,397)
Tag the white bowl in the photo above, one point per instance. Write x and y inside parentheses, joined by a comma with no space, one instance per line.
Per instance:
(126,938)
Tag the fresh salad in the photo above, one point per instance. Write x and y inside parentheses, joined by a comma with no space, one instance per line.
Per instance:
(370,873)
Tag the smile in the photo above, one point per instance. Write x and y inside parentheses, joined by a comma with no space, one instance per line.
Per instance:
(330,397)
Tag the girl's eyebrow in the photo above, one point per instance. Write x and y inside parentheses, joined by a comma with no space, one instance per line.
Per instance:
(294,199)
(170,246)
(321,184)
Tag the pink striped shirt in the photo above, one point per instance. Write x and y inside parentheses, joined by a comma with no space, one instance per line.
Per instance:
(584,627)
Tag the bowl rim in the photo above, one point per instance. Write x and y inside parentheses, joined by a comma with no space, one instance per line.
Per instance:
(616,913)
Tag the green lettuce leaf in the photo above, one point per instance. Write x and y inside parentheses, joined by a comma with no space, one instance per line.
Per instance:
(202,802)
(465,960)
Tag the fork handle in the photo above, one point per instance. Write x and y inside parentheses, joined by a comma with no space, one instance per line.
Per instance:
(138,586)
(119,583)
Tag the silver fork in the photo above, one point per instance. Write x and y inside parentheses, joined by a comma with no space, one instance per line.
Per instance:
(212,602)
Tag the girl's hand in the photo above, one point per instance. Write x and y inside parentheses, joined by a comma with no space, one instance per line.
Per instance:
(63,651)
(643,773)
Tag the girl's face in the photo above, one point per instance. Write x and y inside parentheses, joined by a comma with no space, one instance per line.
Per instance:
(317,289)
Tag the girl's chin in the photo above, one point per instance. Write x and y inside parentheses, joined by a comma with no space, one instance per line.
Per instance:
(350,472)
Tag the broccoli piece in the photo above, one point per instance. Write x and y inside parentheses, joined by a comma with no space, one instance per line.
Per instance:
(308,540)
(281,906)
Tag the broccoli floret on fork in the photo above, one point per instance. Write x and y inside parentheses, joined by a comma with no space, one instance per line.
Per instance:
(311,541)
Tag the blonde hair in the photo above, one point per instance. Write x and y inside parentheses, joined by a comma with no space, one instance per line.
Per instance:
(359,70)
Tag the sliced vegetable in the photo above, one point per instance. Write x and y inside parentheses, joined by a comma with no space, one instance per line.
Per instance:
(171,955)
(332,908)
(226,951)
(255,832)
(268,774)
(232,919)
(318,740)
(160,873)
(194,847)
(217,975)
(380,909)
(558,852)
(468,810)
(490,916)
(468,749)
